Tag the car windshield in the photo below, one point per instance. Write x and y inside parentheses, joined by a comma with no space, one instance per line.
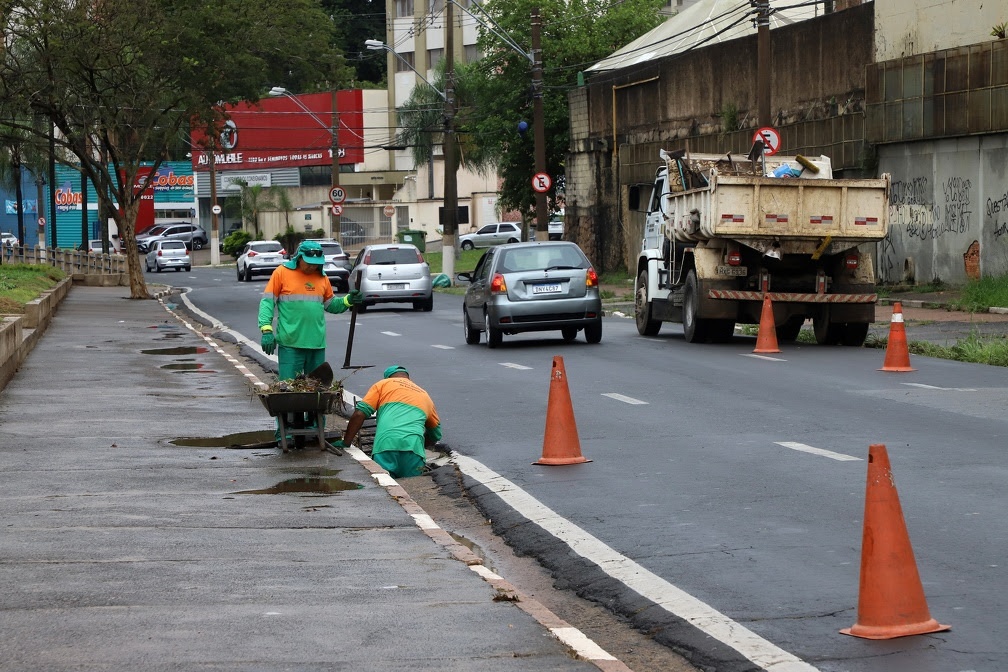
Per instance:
(267,247)
(172,245)
(394,255)
(541,257)
(331,249)
(156,231)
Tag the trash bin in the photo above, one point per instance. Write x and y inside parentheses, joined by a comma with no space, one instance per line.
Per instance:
(414,237)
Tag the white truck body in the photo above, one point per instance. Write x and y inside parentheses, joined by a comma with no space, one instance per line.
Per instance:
(719,237)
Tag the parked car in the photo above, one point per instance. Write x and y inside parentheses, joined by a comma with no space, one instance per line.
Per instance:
(534,286)
(193,236)
(351,233)
(94,246)
(167,254)
(337,263)
(491,234)
(8,240)
(394,273)
(259,257)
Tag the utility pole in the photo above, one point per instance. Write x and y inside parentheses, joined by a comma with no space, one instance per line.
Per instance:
(52,186)
(214,226)
(763,61)
(539,130)
(448,148)
(336,229)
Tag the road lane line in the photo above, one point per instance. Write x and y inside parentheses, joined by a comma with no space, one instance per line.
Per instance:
(769,359)
(391,333)
(840,457)
(519,367)
(443,347)
(625,399)
(943,389)
(672,599)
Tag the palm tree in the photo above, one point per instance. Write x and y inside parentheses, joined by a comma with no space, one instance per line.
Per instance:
(254,200)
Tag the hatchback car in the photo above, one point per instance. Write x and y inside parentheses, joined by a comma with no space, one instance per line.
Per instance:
(168,254)
(491,234)
(532,287)
(337,263)
(259,257)
(394,273)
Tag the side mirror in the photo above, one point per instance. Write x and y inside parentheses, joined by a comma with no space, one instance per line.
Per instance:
(464,276)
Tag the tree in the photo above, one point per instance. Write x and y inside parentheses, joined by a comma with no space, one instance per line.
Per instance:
(574,35)
(356,21)
(254,200)
(126,78)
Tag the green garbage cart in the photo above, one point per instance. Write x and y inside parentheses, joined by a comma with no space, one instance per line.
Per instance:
(413,237)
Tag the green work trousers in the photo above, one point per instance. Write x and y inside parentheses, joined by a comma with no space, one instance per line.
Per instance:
(399,463)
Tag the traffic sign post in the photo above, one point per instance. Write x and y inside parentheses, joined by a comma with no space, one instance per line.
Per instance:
(337,195)
(216,209)
(337,209)
(541,182)
(770,138)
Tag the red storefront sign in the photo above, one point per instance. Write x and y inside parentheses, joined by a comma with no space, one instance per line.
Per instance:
(280,133)
(145,214)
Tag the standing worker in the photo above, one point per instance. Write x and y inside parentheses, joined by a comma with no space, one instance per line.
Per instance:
(299,293)
(407,421)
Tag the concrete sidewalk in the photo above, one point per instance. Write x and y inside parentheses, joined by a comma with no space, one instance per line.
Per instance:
(124,551)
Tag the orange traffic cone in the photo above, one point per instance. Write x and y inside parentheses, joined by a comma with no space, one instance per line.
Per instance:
(890,598)
(766,339)
(560,444)
(897,356)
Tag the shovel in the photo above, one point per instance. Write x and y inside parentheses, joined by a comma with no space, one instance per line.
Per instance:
(353,324)
(323,374)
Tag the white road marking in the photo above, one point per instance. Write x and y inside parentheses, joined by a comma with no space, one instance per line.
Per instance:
(391,333)
(443,347)
(512,365)
(642,581)
(943,389)
(840,457)
(769,359)
(625,399)
(583,646)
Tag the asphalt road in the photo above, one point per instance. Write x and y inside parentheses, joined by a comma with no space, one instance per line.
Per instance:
(723,506)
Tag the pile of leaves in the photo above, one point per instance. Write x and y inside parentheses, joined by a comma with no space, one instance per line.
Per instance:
(304,384)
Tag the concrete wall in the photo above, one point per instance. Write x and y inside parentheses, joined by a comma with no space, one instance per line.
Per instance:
(910,27)
(949,199)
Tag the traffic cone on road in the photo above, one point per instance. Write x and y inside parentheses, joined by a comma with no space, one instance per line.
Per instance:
(891,599)
(766,339)
(560,444)
(897,355)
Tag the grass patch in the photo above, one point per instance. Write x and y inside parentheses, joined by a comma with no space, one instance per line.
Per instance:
(980,295)
(974,349)
(620,277)
(21,283)
(466,262)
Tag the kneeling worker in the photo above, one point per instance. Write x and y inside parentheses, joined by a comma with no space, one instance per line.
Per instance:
(407,421)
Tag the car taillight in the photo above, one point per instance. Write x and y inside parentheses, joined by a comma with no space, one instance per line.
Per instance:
(283,253)
(159,253)
(251,254)
(419,257)
(851,261)
(497,285)
(187,251)
(591,278)
(734,258)
(367,258)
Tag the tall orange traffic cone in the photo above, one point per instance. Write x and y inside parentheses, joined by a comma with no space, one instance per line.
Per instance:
(897,356)
(560,444)
(890,598)
(766,339)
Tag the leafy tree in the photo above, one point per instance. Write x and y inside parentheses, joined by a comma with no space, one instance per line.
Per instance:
(574,35)
(356,21)
(126,78)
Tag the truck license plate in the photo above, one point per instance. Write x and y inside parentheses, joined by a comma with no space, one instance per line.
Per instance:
(738,271)
(551,288)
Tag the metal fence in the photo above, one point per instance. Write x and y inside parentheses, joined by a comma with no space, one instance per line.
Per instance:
(69,261)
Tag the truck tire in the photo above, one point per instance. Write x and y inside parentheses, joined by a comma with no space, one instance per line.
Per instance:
(646,325)
(720,331)
(694,329)
(854,334)
(826,332)
(788,332)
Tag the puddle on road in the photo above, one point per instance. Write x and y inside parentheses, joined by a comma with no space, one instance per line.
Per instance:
(238,440)
(313,486)
(183,350)
(184,366)
(474,547)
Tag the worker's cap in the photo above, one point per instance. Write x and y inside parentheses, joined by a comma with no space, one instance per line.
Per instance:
(311,252)
(395,368)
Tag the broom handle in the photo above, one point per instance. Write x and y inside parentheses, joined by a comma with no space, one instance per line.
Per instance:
(353,324)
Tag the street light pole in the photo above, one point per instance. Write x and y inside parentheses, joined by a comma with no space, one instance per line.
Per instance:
(336,229)
(450,170)
(215,227)
(539,130)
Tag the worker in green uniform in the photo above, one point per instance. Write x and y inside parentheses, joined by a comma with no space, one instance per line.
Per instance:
(407,421)
(299,295)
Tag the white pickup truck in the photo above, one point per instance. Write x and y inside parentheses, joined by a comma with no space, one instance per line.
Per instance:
(720,236)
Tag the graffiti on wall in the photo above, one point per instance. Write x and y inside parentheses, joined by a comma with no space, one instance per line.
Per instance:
(997,214)
(913,211)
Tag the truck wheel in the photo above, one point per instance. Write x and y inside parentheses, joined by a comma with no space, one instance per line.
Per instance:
(854,334)
(720,331)
(788,332)
(826,332)
(646,325)
(694,329)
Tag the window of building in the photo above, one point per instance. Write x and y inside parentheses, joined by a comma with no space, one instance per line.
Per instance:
(404,7)
(472,53)
(433,56)
(405,62)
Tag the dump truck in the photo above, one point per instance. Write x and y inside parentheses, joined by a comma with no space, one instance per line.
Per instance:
(723,233)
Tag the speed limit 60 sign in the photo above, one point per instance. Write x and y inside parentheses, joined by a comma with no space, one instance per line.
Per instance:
(337,195)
